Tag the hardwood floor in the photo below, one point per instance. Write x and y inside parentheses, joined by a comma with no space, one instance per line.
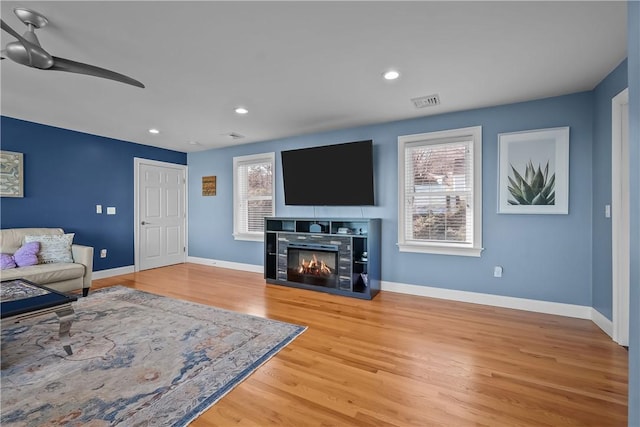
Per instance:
(402,360)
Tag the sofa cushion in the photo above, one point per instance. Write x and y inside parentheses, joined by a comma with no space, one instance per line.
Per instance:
(27,254)
(44,273)
(24,257)
(12,238)
(53,248)
(7,262)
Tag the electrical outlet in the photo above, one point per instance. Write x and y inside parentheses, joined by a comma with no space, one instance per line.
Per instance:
(497,271)
(98,209)
(103,253)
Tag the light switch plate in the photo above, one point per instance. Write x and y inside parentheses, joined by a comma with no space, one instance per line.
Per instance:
(98,209)
(111,210)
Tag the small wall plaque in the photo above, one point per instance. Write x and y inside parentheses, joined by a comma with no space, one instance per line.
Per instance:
(208,185)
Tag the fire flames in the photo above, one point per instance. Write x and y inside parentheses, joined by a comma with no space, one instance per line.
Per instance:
(314,267)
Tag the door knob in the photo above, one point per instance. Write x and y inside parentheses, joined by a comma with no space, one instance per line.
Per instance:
(145,223)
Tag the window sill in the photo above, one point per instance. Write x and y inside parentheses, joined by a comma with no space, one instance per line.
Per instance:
(440,249)
(249,237)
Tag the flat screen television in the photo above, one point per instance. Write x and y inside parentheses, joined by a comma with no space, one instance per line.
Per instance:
(329,175)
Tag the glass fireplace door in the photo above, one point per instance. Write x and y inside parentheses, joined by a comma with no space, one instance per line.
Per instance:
(313,266)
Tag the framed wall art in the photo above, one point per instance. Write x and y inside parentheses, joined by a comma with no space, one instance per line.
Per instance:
(11,174)
(533,176)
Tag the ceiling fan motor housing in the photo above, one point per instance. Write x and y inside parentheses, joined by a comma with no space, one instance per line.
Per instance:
(28,51)
(31,55)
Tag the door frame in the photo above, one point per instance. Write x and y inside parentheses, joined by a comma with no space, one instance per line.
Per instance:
(619,226)
(137,162)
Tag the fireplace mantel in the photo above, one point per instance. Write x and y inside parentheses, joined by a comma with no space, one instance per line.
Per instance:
(347,248)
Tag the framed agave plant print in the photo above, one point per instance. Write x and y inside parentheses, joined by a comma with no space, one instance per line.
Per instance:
(534,172)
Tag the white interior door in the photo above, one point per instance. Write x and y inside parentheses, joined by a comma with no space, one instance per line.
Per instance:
(161,216)
(620,216)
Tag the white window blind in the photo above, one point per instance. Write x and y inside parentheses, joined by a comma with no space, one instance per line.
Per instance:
(439,189)
(438,209)
(253,195)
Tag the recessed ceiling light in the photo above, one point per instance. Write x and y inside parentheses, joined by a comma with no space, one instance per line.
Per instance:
(194,143)
(154,131)
(241,110)
(391,75)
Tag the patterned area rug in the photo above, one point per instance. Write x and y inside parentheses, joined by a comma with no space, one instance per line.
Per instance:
(138,360)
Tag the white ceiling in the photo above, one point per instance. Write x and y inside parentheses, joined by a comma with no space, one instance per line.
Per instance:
(300,67)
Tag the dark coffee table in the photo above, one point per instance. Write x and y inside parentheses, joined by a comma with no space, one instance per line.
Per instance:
(22,299)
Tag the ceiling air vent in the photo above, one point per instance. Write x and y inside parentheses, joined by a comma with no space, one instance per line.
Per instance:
(426,101)
(234,135)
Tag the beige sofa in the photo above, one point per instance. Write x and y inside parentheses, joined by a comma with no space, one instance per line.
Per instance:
(62,276)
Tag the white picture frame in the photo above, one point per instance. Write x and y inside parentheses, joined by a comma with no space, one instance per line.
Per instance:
(11,174)
(533,175)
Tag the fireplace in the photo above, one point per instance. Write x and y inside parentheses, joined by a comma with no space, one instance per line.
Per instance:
(337,256)
(313,264)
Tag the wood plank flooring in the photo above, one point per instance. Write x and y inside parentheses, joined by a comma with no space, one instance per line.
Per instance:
(402,360)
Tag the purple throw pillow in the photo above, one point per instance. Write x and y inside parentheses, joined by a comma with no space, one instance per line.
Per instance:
(27,254)
(7,262)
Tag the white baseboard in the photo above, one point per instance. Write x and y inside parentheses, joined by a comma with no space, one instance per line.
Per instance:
(103,274)
(226,264)
(561,309)
(537,306)
(602,322)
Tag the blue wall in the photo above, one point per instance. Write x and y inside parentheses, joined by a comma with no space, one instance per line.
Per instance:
(545,257)
(633,47)
(613,84)
(67,174)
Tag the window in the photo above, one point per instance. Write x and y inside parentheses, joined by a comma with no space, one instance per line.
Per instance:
(440,192)
(253,189)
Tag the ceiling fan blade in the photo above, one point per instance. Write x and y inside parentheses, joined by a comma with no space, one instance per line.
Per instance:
(13,32)
(68,65)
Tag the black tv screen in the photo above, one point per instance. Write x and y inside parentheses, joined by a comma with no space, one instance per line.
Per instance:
(329,175)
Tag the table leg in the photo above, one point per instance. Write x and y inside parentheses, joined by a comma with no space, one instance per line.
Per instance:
(65,316)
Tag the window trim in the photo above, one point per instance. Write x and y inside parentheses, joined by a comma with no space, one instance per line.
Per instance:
(443,248)
(253,236)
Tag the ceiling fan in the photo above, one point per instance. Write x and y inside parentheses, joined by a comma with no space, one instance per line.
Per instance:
(27,51)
